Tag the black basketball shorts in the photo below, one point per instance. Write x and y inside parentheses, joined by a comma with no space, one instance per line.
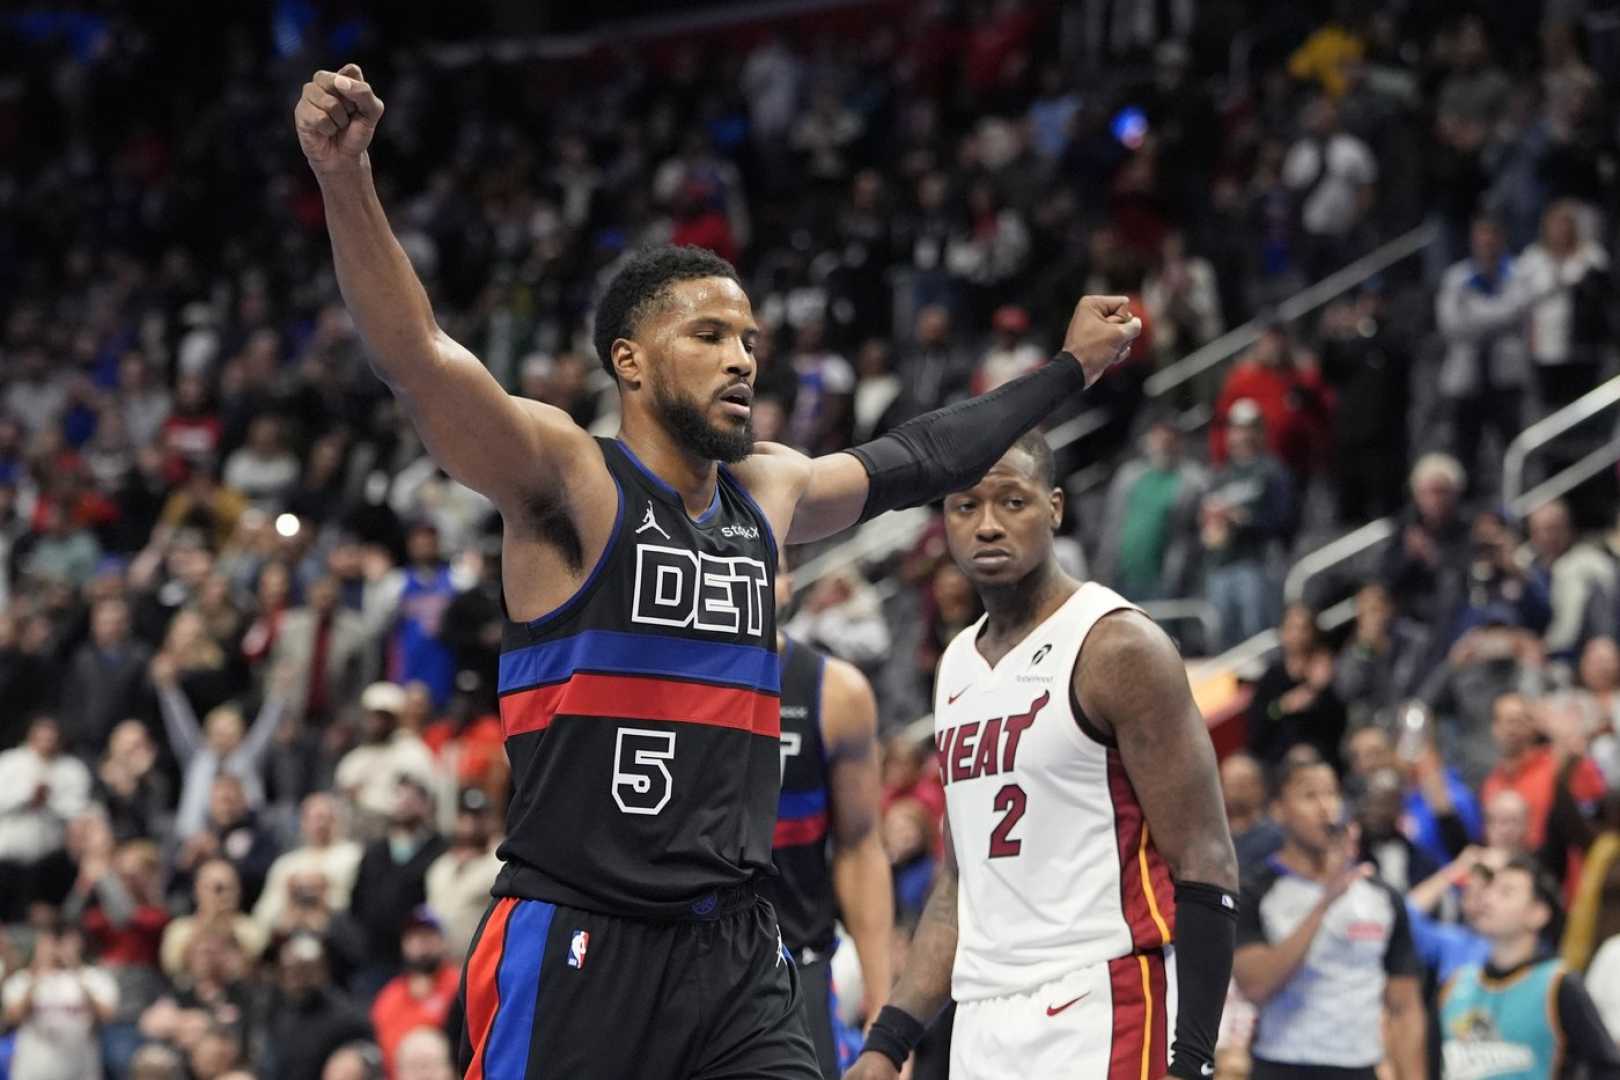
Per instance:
(554,992)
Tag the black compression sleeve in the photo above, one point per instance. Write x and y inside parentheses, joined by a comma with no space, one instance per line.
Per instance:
(951,448)
(1206,930)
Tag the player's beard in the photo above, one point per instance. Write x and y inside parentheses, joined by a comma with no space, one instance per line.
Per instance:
(687,421)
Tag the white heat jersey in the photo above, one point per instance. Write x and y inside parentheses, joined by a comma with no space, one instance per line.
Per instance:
(1057,872)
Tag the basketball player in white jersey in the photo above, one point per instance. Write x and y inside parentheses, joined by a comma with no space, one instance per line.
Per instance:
(1085,829)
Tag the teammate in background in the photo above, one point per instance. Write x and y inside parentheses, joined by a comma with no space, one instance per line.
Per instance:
(1522,1016)
(1081,789)
(831,786)
(1325,949)
(639,677)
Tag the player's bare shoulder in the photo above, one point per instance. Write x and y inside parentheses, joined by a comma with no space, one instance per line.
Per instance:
(776,477)
(1127,665)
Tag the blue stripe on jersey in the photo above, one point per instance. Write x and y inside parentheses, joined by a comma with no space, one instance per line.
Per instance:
(801,804)
(511,1037)
(610,652)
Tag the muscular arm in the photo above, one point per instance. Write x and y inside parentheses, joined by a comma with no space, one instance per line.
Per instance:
(860,867)
(1131,684)
(938,452)
(508,448)
(925,983)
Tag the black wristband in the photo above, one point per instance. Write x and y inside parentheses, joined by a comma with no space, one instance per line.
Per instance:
(894,1034)
(949,449)
(1206,932)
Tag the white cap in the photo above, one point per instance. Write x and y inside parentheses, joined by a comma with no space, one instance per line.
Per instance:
(384,697)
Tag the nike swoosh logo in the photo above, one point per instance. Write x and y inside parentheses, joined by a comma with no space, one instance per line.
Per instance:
(1053,1010)
(950,699)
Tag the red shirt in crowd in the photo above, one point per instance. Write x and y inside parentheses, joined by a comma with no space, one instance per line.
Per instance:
(397,1012)
(1535,777)
(134,944)
(1293,403)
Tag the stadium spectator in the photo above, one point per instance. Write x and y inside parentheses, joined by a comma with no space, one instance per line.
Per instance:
(934,368)
(1582,582)
(423,1054)
(1537,772)
(1382,662)
(104,679)
(1243,787)
(424,588)
(1323,950)
(221,745)
(1599,694)
(1182,299)
(217,899)
(322,647)
(1011,353)
(263,469)
(459,881)
(308,1019)
(42,789)
(841,615)
(423,993)
(1247,512)
(1539,1011)
(1399,861)
(1432,536)
(1294,701)
(56,1006)
(392,879)
(1272,386)
(1367,363)
(324,850)
(1332,174)
(1571,329)
(1440,814)
(1480,310)
(1149,546)
(368,775)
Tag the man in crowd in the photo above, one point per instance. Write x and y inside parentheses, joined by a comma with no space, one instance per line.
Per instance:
(41,790)
(1324,949)
(1521,1015)
(421,995)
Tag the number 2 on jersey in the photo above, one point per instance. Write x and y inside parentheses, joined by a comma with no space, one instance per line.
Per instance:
(1011,800)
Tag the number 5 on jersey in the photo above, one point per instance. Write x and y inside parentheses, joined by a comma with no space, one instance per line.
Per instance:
(641,780)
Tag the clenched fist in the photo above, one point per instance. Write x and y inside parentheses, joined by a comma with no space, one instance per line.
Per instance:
(336,117)
(1100,333)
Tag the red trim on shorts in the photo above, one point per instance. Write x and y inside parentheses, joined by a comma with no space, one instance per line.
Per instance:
(483,982)
(1159,1052)
(1151,919)
(1130,1014)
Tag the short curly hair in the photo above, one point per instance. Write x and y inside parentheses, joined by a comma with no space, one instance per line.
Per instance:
(640,284)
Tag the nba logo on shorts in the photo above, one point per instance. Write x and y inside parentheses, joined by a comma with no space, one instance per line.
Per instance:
(577,947)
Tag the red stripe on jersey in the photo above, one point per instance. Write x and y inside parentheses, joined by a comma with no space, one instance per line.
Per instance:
(483,982)
(629,697)
(791,832)
(1146,896)
(1125,1057)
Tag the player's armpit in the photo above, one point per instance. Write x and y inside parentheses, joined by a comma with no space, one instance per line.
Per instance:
(1131,683)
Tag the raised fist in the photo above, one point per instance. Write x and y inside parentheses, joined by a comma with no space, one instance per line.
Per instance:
(1100,333)
(336,116)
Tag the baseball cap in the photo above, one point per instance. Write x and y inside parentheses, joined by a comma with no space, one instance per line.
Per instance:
(383,697)
(422,917)
(1244,411)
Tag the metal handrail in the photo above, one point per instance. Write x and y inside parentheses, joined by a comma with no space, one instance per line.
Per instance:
(1548,428)
(1188,609)
(881,533)
(1332,554)
(1238,338)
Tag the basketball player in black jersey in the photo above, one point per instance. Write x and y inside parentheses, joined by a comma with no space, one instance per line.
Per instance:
(831,791)
(639,673)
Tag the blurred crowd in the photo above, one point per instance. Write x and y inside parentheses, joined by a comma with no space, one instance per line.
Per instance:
(251,774)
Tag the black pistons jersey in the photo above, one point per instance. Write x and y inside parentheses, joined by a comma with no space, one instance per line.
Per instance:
(641,716)
(806,906)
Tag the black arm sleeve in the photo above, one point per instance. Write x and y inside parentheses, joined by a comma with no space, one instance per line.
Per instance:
(951,448)
(1586,1040)
(1206,932)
